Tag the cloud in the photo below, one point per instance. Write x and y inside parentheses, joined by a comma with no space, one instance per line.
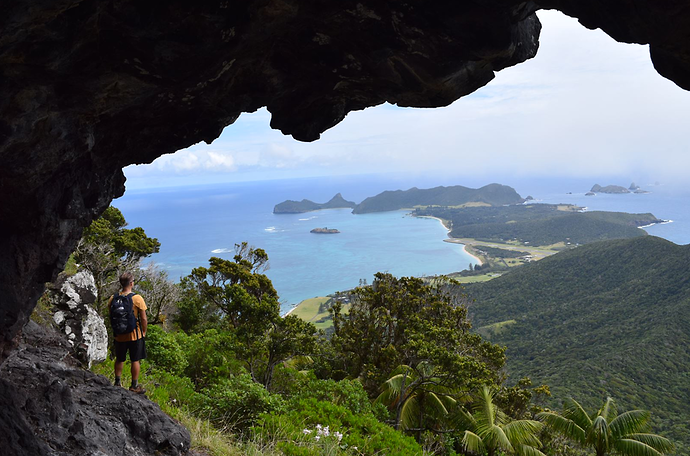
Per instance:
(186,162)
(277,156)
(584,106)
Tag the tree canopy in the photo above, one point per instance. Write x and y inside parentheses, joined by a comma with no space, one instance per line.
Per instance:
(406,321)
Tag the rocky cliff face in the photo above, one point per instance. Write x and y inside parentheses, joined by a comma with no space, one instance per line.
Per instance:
(89,86)
(50,406)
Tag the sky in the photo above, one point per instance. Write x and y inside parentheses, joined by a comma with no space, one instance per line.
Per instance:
(585,106)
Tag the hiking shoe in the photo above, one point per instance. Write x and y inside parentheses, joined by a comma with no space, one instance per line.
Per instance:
(138,390)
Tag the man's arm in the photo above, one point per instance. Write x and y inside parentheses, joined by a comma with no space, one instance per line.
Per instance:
(143,321)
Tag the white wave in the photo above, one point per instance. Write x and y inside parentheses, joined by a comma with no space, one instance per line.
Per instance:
(221,251)
(310,218)
(658,223)
(271,229)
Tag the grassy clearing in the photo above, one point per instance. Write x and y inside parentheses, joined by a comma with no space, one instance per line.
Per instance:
(494,329)
(308,310)
(473,279)
(536,252)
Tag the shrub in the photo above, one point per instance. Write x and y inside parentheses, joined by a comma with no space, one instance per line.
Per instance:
(163,351)
(361,430)
(210,357)
(236,402)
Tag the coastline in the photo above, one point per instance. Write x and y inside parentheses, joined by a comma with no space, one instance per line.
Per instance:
(294,306)
(450,239)
(665,222)
(464,249)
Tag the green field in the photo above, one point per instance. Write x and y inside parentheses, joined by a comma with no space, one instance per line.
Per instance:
(312,310)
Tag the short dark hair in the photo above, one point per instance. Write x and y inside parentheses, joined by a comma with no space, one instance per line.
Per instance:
(126,278)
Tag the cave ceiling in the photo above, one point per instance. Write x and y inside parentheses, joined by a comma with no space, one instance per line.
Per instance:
(89,87)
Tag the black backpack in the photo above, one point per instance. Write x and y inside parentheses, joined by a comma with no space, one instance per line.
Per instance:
(122,317)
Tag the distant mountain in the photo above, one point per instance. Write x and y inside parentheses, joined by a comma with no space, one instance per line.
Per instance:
(297,207)
(492,195)
(609,318)
(609,189)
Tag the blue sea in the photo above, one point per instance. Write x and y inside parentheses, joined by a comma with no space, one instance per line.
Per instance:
(194,223)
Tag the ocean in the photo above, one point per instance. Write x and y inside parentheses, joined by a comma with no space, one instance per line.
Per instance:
(195,223)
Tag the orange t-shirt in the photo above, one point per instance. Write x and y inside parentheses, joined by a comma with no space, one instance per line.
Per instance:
(139,306)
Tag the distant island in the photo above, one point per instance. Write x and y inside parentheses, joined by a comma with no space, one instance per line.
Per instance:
(455,196)
(325,231)
(298,207)
(616,189)
(609,189)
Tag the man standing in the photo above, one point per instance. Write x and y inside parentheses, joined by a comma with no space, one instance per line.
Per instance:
(134,341)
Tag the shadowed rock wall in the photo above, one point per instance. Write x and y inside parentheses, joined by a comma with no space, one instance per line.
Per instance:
(90,86)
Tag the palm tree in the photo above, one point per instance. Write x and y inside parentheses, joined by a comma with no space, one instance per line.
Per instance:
(489,430)
(417,397)
(606,431)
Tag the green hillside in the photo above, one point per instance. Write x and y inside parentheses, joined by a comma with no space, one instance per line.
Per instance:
(492,194)
(540,224)
(608,318)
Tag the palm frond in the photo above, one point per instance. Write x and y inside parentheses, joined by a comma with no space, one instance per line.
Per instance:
(609,411)
(564,426)
(472,442)
(485,406)
(499,439)
(436,404)
(463,419)
(387,398)
(629,423)
(523,432)
(395,383)
(409,413)
(599,433)
(659,443)
(630,447)
(527,450)
(574,411)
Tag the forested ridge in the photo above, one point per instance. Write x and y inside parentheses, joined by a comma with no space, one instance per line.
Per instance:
(492,195)
(608,318)
(539,224)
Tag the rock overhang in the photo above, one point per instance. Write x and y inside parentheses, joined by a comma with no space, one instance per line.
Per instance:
(89,87)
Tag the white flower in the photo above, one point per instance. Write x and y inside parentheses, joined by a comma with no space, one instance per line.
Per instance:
(325,431)
(317,437)
(318,427)
(338,435)
(307,431)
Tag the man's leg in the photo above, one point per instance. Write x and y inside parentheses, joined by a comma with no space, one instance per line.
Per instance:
(135,372)
(138,352)
(119,365)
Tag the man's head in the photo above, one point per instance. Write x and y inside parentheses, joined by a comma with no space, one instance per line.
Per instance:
(126,279)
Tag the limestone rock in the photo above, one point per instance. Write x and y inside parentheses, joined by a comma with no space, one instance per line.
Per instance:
(50,406)
(73,298)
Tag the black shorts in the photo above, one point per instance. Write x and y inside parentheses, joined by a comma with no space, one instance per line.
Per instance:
(136,349)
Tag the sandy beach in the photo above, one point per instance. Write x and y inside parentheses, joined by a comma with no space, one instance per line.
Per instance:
(451,240)
(464,248)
